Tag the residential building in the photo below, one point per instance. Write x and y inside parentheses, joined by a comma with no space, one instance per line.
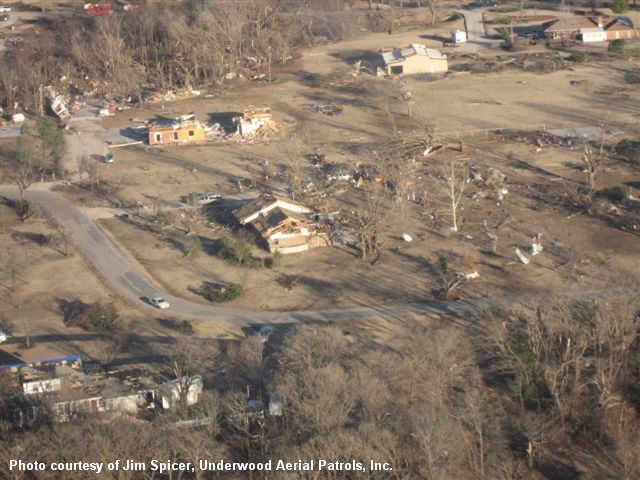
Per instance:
(184,129)
(283,225)
(413,59)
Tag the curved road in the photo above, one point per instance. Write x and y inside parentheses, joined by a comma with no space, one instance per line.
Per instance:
(126,277)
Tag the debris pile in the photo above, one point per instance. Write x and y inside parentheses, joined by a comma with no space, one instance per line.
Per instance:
(58,103)
(327,109)
(255,123)
(171,95)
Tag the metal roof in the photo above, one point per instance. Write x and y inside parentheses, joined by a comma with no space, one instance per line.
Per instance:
(399,55)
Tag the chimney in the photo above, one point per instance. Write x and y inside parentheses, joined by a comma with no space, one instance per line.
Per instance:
(600,22)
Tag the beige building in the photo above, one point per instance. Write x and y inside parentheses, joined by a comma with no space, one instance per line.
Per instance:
(414,59)
(283,225)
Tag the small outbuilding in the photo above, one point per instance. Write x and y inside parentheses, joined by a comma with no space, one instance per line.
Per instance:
(414,59)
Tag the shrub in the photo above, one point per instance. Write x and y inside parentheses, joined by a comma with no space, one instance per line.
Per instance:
(222,293)
(160,218)
(23,209)
(623,146)
(578,57)
(613,194)
(186,327)
(101,317)
(278,259)
(95,317)
(236,252)
(617,47)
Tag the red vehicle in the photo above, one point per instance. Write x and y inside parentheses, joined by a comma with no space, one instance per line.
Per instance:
(98,8)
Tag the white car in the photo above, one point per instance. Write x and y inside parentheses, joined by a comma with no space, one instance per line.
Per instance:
(207,198)
(159,302)
(4,9)
(3,337)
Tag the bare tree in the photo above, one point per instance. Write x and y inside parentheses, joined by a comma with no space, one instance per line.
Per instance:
(591,163)
(369,224)
(453,179)
(432,5)
(190,358)
(25,169)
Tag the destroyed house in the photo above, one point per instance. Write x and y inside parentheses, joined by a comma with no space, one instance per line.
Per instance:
(67,397)
(182,130)
(253,120)
(414,59)
(283,225)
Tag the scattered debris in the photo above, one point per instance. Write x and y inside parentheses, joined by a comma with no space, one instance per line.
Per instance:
(472,275)
(327,109)
(255,122)
(536,246)
(523,258)
(496,174)
(58,104)
(108,111)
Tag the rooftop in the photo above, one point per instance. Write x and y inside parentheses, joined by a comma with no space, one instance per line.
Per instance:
(400,54)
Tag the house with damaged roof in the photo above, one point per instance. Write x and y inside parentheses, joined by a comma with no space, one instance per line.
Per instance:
(413,59)
(283,225)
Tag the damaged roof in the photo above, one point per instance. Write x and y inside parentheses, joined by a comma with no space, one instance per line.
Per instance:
(401,54)
(274,219)
(265,203)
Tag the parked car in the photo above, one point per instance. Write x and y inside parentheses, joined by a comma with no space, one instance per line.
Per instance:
(4,9)
(5,17)
(159,302)
(3,337)
(109,158)
(206,198)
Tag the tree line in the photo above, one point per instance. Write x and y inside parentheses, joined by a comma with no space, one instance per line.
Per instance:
(549,392)
(163,46)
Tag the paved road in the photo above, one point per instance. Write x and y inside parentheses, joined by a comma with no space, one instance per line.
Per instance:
(126,277)
(476,37)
